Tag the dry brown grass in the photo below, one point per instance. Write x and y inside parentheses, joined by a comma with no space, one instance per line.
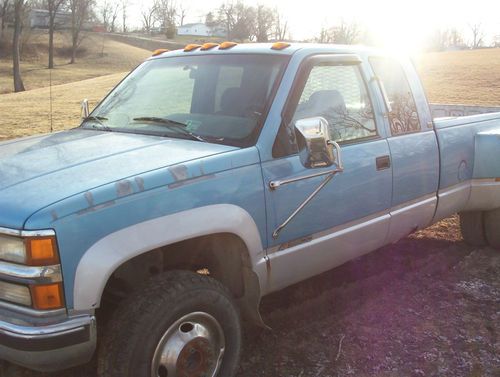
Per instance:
(28,113)
(469,77)
(99,56)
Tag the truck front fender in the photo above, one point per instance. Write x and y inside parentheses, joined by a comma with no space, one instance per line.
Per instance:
(106,255)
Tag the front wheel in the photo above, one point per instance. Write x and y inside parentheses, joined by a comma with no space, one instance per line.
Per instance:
(181,324)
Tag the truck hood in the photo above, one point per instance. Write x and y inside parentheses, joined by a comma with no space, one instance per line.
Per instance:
(38,171)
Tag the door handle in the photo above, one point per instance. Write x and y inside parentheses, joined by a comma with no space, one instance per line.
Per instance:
(383,162)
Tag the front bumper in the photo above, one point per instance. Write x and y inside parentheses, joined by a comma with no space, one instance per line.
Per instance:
(63,344)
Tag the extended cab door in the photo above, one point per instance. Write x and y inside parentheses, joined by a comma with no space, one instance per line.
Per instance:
(350,215)
(413,145)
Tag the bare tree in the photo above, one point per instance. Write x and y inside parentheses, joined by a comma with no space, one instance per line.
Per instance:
(79,14)
(182,12)
(456,39)
(166,14)
(108,12)
(124,15)
(442,39)
(148,17)
(265,21)
(4,10)
(325,35)
(439,40)
(18,16)
(477,35)
(105,13)
(280,26)
(114,10)
(53,7)
(346,33)
(238,19)
(210,20)
(226,18)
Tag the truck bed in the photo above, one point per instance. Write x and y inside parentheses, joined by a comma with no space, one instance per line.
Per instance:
(469,158)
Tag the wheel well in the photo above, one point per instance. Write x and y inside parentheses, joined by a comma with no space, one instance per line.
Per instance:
(223,256)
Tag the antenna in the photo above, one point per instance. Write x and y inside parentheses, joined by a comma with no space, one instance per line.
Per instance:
(50,100)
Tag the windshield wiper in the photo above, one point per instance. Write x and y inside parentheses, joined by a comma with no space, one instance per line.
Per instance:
(98,120)
(172,124)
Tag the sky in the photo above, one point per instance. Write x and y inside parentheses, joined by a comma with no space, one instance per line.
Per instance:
(394,22)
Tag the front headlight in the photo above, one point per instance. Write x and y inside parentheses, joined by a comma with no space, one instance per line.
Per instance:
(15,293)
(32,251)
(12,249)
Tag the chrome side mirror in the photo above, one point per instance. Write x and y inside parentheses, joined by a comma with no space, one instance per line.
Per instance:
(85,108)
(315,145)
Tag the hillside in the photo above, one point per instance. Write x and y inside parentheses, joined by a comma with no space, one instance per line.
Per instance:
(470,77)
(98,56)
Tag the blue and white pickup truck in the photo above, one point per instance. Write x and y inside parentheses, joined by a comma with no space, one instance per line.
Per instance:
(210,177)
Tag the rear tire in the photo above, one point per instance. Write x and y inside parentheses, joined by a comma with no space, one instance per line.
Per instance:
(492,228)
(181,324)
(472,227)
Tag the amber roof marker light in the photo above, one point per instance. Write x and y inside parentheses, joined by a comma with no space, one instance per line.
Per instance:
(208,46)
(159,51)
(191,47)
(227,45)
(280,45)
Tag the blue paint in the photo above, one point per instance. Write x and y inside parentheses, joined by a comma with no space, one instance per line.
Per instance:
(86,184)
(359,191)
(415,164)
(458,144)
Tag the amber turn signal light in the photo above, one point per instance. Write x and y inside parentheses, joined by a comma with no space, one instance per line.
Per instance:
(226,45)
(280,46)
(208,46)
(159,51)
(41,251)
(191,47)
(47,297)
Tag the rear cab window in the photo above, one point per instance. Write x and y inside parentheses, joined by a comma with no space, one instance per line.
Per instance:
(402,110)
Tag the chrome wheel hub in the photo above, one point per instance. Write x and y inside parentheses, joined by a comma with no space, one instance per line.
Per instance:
(192,347)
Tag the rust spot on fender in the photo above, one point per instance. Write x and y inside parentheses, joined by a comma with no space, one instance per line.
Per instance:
(124,188)
(54,215)
(90,198)
(190,181)
(179,172)
(140,183)
(96,208)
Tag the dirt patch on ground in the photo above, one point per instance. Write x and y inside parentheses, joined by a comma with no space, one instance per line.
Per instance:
(426,306)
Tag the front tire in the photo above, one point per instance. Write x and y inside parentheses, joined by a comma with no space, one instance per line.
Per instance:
(181,324)
(472,228)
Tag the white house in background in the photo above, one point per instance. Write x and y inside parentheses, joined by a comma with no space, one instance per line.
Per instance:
(201,30)
(39,18)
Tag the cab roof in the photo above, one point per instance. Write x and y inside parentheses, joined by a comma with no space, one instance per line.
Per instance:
(265,48)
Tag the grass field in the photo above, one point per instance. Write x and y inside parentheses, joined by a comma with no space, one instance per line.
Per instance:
(99,56)
(469,77)
(461,77)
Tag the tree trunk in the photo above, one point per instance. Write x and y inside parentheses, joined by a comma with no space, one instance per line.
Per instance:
(74,33)
(18,81)
(51,40)
(2,28)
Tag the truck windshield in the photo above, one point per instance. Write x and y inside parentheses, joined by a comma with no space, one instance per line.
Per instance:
(212,98)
